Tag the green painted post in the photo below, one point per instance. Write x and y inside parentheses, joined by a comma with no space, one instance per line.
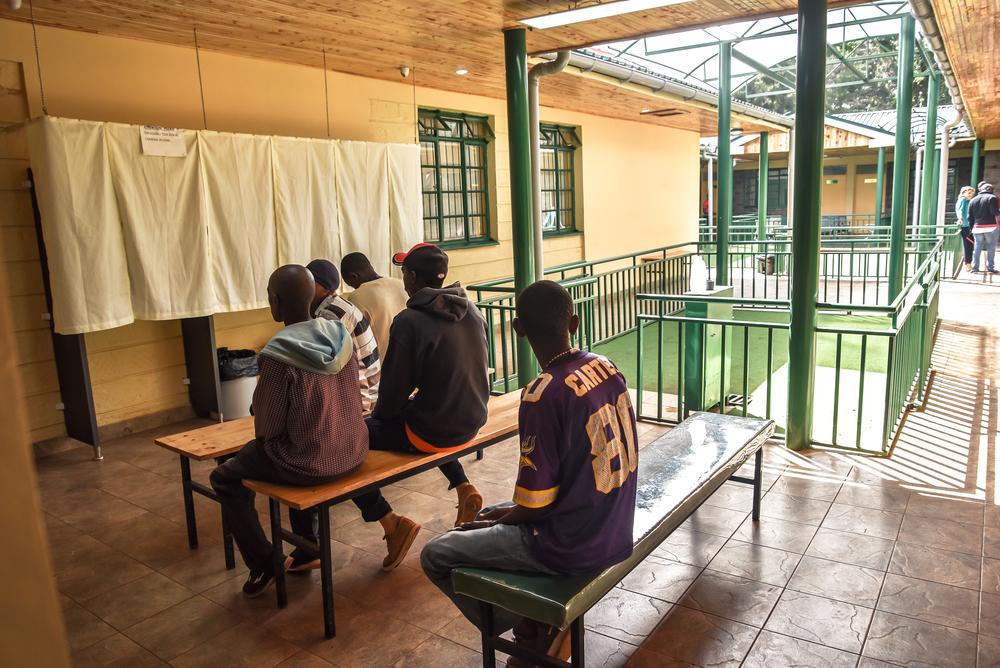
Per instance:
(931,229)
(810,103)
(930,152)
(519,143)
(977,148)
(879,185)
(762,189)
(725,208)
(901,157)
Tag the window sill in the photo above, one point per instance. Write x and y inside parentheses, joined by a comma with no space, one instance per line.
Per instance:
(562,233)
(462,245)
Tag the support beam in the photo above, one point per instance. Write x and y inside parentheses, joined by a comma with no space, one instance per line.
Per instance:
(927,181)
(901,157)
(846,63)
(762,188)
(879,185)
(519,143)
(810,103)
(725,165)
(202,365)
(977,148)
(930,226)
(763,69)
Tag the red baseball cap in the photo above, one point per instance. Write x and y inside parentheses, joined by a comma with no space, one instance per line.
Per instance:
(426,259)
(399,258)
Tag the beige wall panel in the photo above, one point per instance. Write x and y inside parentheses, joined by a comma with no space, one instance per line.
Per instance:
(138,333)
(15,209)
(33,348)
(39,377)
(23,278)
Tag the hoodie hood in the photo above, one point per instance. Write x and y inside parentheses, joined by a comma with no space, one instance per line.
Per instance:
(448,303)
(320,345)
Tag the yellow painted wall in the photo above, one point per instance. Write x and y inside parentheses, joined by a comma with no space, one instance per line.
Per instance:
(638,182)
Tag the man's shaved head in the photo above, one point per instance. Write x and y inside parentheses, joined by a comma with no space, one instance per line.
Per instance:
(290,291)
(356,269)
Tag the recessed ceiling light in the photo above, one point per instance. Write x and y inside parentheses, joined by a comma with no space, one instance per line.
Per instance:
(461,71)
(601,11)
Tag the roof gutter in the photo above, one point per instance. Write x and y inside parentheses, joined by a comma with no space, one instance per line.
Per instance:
(924,13)
(647,82)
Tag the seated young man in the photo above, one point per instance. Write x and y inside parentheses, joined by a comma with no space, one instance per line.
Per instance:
(434,388)
(574,499)
(327,303)
(307,421)
(380,298)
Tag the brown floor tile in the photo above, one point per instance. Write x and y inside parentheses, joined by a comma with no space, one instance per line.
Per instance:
(715,520)
(906,641)
(90,509)
(851,548)
(732,495)
(462,631)
(809,487)
(229,594)
(155,541)
(967,512)
(773,649)
(699,639)
(118,652)
(204,568)
(176,630)
(992,515)
(138,600)
(988,651)
(842,582)
(991,542)
(416,601)
(794,508)
(243,645)
(991,575)
(989,615)
(83,628)
(690,547)
(731,597)
(942,534)
(662,579)
(436,651)
(780,534)
(946,567)
(885,496)
(304,659)
(105,570)
(867,521)
(820,620)
(755,562)
(930,602)
(605,652)
(626,616)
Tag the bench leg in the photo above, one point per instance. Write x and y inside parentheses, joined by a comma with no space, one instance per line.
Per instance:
(479,454)
(577,643)
(274,510)
(489,653)
(192,526)
(326,571)
(227,536)
(758,480)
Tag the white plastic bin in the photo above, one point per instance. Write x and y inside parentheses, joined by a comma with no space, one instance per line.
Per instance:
(237,395)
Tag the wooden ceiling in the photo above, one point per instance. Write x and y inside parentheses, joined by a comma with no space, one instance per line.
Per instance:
(374,38)
(971,32)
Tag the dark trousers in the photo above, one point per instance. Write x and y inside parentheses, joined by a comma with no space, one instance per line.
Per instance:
(391,435)
(968,243)
(240,515)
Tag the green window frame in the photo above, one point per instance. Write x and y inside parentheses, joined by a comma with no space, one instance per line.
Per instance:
(558,145)
(454,172)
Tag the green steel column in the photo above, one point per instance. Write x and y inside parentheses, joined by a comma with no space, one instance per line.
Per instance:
(810,103)
(879,185)
(519,142)
(977,147)
(725,208)
(935,190)
(930,151)
(901,157)
(762,189)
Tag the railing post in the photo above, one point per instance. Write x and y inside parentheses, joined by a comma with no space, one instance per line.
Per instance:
(930,153)
(762,189)
(977,148)
(518,137)
(879,187)
(901,157)
(810,103)
(725,166)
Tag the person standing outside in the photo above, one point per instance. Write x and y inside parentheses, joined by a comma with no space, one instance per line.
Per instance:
(984,215)
(965,228)
(380,298)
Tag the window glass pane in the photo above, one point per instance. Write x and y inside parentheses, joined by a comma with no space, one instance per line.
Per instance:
(474,155)
(429,179)
(548,159)
(474,179)
(549,220)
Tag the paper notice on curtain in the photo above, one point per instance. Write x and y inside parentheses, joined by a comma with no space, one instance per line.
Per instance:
(162,142)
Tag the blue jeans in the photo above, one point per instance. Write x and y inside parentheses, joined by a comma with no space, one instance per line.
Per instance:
(985,241)
(501,547)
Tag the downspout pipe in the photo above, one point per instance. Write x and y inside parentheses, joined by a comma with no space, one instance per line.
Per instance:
(947,141)
(534,74)
(918,176)
(924,14)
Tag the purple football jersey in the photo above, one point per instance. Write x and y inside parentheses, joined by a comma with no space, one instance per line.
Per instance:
(578,458)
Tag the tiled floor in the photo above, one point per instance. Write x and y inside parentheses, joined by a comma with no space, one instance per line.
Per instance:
(856,562)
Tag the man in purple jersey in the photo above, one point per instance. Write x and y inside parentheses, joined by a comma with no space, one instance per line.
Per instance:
(574,498)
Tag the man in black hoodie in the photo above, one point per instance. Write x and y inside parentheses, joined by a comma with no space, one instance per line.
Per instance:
(433,390)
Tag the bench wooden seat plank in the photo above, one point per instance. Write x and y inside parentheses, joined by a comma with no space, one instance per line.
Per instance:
(211,442)
(676,474)
(381,468)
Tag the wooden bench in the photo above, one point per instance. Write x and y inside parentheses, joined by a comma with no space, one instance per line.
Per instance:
(379,469)
(677,473)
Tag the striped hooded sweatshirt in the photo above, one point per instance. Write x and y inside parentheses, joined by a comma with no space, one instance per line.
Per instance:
(307,405)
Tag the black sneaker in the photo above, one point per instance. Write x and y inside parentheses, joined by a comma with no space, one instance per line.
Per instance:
(257,583)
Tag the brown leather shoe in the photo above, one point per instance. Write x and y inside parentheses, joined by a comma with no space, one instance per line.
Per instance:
(470,502)
(399,541)
(541,638)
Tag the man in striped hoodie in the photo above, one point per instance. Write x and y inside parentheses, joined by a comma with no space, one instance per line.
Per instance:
(984,214)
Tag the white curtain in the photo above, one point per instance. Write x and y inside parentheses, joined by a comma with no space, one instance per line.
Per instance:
(239,207)
(305,200)
(80,224)
(166,234)
(406,206)
(362,194)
